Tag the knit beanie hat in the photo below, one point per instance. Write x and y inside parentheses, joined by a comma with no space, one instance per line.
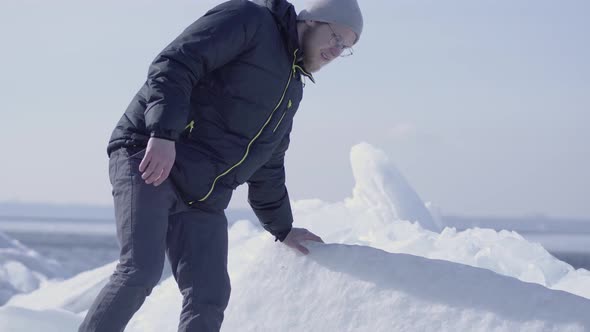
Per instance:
(343,12)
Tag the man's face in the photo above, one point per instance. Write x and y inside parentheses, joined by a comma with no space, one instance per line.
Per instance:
(320,46)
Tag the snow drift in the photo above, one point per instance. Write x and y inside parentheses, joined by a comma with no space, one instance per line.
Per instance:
(384,267)
(22,269)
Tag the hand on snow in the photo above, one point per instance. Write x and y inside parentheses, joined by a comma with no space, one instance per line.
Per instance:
(158,160)
(297,235)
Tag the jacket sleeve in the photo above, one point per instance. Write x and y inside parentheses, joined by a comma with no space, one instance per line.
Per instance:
(268,196)
(210,42)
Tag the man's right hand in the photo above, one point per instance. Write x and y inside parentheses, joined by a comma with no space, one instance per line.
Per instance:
(158,160)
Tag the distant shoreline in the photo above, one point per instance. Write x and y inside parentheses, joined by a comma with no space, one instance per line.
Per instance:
(59,246)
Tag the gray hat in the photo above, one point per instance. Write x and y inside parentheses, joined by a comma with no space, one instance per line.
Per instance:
(344,12)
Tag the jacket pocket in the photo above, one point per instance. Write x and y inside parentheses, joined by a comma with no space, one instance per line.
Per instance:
(289,104)
(193,172)
(135,152)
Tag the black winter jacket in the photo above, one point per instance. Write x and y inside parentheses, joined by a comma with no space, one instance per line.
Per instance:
(226,90)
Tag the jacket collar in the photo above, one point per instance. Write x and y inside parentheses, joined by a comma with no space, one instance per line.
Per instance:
(286,18)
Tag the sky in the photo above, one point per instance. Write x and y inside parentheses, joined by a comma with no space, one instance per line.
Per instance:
(483,106)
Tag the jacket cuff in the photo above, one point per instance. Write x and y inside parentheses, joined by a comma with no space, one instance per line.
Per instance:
(276,219)
(280,236)
(165,134)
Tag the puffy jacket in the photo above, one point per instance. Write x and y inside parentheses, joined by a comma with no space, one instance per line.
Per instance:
(226,90)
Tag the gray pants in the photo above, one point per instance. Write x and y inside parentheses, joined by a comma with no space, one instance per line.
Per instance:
(152,221)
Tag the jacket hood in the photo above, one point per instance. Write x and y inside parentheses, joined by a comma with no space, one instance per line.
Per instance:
(286,18)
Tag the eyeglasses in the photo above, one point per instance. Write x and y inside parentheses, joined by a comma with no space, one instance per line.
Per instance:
(336,41)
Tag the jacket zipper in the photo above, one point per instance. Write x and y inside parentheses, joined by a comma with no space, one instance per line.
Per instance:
(293,68)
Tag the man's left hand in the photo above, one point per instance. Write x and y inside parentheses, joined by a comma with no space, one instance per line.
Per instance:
(297,235)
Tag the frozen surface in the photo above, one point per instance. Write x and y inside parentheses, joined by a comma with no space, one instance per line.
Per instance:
(22,269)
(384,267)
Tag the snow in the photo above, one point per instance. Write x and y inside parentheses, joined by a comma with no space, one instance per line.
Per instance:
(381,188)
(343,288)
(75,294)
(22,269)
(15,319)
(388,264)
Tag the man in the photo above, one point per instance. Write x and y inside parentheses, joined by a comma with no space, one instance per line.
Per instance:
(216,111)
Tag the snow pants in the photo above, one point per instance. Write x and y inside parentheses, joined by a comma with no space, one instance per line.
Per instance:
(153,222)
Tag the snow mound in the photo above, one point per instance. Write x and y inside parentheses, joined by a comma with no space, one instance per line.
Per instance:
(15,319)
(358,288)
(75,294)
(384,267)
(341,287)
(381,188)
(22,269)
(370,218)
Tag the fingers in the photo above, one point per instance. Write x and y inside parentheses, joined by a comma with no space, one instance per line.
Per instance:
(145,161)
(302,249)
(152,172)
(154,176)
(156,165)
(310,236)
(163,176)
(316,238)
(295,242)
(155,172)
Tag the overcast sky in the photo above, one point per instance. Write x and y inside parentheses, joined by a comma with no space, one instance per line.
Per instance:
(483,105)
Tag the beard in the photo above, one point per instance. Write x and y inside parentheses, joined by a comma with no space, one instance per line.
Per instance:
(312,60)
